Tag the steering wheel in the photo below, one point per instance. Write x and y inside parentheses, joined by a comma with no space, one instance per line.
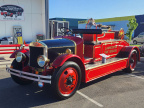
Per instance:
(66,31)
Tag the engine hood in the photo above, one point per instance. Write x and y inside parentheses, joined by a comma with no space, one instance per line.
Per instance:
(55,43)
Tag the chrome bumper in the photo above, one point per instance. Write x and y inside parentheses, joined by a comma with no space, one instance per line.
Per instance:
(30,76)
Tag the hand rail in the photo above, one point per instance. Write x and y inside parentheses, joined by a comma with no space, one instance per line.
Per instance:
(4,50)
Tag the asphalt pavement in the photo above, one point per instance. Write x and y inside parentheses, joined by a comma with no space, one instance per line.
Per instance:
(118,90)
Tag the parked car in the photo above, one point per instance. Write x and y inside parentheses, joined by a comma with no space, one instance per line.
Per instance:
(139,38)
(66,62)
(9,38)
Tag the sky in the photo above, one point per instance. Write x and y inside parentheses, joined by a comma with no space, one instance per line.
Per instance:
(97,9)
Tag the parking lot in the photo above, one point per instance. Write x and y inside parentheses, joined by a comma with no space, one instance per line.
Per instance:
(118,90)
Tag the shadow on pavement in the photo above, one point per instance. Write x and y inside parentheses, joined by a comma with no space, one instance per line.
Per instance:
(16,96)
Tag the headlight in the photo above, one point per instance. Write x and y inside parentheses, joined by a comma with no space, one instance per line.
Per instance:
(20,56)
(42,60)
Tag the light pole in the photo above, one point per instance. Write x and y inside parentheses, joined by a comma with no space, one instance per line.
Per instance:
(47,19)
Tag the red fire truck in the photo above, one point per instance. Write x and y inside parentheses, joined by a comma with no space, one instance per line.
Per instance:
(66,62)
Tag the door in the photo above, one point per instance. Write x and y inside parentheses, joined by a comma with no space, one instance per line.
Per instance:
(140,37)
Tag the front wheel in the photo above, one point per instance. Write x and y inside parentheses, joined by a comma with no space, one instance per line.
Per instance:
(132,62)
(135,42)
(18,80)
(66,80)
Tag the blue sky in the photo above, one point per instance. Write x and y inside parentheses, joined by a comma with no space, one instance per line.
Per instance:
(96,9)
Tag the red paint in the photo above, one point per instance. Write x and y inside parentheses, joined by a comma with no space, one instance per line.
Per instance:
(98,37)
(13,45)
(89,37)
(79,45)
(105,69)
(88,51)
(7,49)
(60,60)
(68,81)
(106,36)
(6,52)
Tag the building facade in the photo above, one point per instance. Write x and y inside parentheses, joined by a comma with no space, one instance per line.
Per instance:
(32,20)
(118,23)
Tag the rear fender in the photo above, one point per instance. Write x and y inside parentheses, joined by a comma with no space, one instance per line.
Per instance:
(25,51)
(126,51)
(60,60)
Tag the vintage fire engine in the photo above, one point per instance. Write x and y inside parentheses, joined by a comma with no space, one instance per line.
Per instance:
(66,62)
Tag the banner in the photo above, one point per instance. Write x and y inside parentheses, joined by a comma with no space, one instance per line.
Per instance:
(11,13)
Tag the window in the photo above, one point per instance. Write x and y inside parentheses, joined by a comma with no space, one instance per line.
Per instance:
(142,33)
(140,36)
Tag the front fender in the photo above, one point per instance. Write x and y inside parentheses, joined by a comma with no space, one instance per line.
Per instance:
(25,51)
(60,60)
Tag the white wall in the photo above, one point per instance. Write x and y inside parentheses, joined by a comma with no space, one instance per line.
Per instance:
(34,23)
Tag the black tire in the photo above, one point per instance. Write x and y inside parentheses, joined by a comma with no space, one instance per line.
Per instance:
(132,62)
(68,88)
(18,80)
(135,42)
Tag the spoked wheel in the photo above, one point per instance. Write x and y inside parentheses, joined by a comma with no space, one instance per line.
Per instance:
(67,80)
(132,62)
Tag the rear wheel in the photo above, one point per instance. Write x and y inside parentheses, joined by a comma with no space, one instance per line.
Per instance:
(18,80)
(66,80)
(132,62)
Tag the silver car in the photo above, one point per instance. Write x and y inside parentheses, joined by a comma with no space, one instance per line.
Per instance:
(139,38)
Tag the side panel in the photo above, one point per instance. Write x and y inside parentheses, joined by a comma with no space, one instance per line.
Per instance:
(107,36)
(110,48)
(89,37)
(105,69)
(88,51)
(78,44)
(60,60)
(97,51)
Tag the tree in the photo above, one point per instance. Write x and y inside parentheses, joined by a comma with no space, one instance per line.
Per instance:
(132,25)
